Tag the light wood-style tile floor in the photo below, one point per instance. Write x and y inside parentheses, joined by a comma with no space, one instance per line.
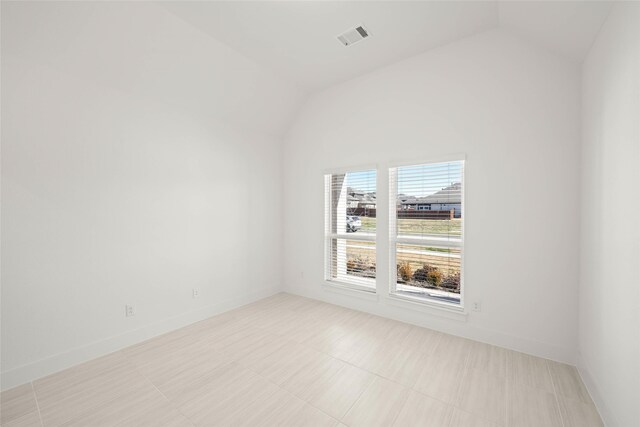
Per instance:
(293,361)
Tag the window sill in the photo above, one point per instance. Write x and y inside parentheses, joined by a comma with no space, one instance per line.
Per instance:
(350,290)
(448,311)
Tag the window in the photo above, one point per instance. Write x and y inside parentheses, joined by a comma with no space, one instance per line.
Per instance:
(427,244)
(350,228)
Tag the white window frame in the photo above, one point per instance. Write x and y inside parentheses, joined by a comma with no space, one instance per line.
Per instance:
(343,281)
(394,240)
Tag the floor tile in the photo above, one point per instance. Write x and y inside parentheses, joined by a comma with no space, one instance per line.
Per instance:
(339,338)
(316,368)
(160,346)
(261,350)
(226,399)
(231,377)
(379,405)
(290,365)
(16,403)
(336,394)
(406,361)
(567,382)
(181,367)
(378,344)
(77,377)
(147,407)
(160,416)
(69,394)
(460,418)
(483,395)
(440,378)
(32,419)
(235,342)
(319,332)
(307,415)
(274,409)
(576,413)
(532,407)
(529,370)
(422,411)
(453,349)
(488,358)
(288,360)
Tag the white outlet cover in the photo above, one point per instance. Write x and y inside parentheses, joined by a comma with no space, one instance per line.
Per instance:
(129,310)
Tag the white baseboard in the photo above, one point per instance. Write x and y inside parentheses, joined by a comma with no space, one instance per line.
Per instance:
(603,409)
(442,324)
(43,367)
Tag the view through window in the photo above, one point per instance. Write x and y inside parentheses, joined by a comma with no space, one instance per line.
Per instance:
(425,224)
(350,228)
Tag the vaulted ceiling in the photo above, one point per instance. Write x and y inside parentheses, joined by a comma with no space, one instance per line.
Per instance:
(297,39)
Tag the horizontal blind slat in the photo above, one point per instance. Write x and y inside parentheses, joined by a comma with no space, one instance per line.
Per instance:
(425,225)
(350,227)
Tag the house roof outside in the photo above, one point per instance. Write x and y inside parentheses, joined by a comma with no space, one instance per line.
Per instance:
(355,195)
(450,194)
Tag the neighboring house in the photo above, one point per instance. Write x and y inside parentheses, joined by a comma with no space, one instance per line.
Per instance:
(368,201)
(352,202)
(360,199)
(444,200)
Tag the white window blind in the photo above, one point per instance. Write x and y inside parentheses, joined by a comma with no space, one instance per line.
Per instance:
(350,228)
(425,225)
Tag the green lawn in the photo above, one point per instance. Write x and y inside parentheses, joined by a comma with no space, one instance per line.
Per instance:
(414,226)
(362,254)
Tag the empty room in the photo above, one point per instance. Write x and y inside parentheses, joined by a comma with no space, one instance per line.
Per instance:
(320,213)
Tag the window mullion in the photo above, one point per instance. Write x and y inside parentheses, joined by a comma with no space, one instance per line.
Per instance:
(448,243)
(363,238)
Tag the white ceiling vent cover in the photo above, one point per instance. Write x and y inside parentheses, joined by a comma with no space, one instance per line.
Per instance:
(354,35)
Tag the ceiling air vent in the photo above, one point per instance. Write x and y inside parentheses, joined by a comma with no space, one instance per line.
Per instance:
(353,36)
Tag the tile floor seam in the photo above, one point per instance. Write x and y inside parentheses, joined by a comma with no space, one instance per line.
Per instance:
(464,374)
(356,399)
(412,388)
(81,414)
(384,378)
(365,334)
(240,364)
(507,376)
(506,398)
(450,423)
(135,367)
(555,393)
(270,353)
(455,405)
(451,418)
(35,397)
(286,391)
(406,399)
(451,409)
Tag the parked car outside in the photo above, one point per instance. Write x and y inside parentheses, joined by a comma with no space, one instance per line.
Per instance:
(353,223)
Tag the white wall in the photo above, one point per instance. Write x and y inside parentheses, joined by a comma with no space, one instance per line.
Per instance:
(514,111)
(610,265)
(140,159)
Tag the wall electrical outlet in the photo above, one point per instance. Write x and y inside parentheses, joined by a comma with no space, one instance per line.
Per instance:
(129,310)
(196,293)
(476,306)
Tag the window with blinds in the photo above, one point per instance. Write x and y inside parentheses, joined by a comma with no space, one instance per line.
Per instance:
(425,225)
(350,228)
